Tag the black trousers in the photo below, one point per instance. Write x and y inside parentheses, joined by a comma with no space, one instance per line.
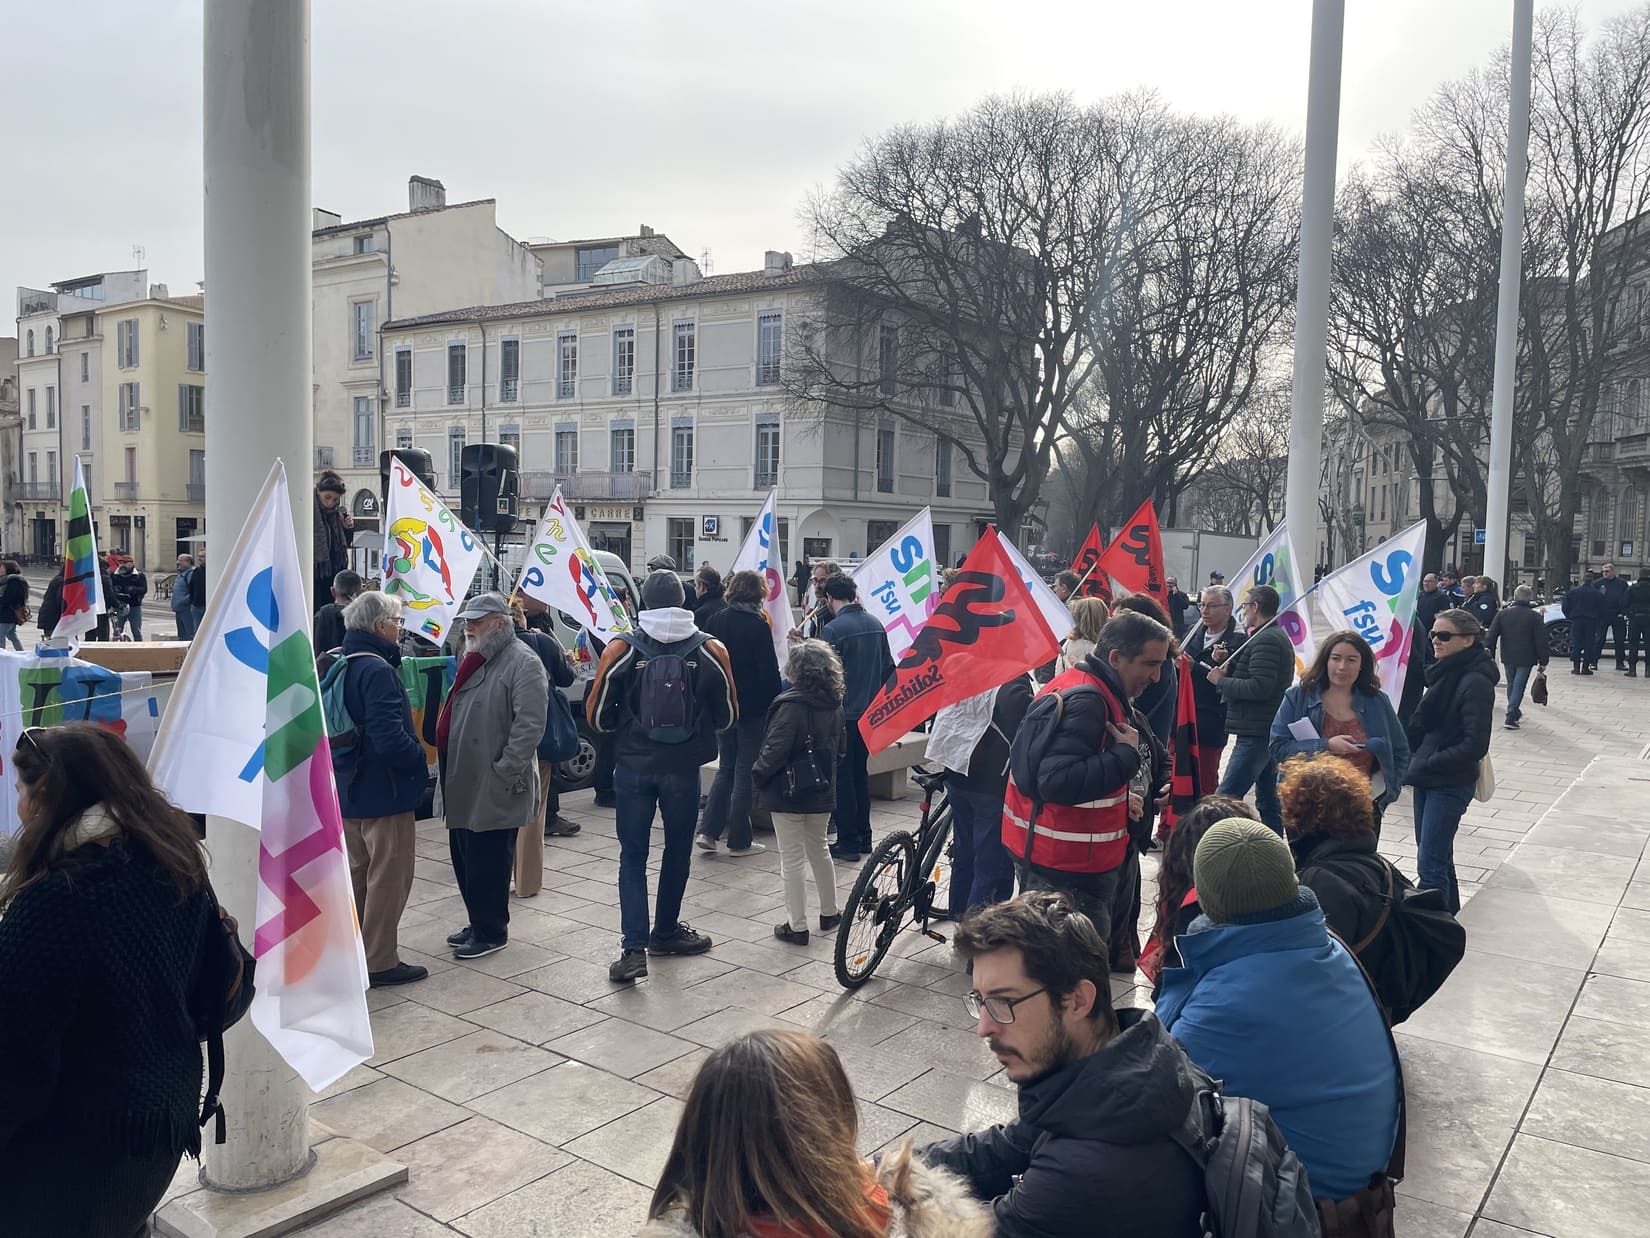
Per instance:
(853,794)
(1617,624)
(482,862)
(43,1195)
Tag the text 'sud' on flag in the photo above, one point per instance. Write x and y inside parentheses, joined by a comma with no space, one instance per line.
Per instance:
(986,630)
(1093,581)
(1135,557)
(244,738)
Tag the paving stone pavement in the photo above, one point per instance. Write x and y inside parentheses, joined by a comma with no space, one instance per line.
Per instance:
(530,1096)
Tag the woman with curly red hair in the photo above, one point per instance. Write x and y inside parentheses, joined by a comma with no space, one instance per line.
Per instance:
(1329,819)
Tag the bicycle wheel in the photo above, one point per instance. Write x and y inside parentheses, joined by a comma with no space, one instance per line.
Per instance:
(875,909)
(934,894)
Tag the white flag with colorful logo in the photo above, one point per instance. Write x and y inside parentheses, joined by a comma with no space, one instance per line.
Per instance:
(900,583)
(1054,612)
(760,553)
(1374,595)
(243,738)
(429,557)
(1274,563)
(83,599)
(560,570)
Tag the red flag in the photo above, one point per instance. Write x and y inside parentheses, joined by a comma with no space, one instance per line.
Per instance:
(1095,582)
(986,630)
(1186,787)
(1135,558)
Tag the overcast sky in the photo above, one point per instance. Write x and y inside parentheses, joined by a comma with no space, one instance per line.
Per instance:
(588,117)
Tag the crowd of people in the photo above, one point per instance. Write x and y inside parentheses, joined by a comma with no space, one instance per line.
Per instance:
(1269,953)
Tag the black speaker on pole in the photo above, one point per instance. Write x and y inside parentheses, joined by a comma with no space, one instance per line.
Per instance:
(419,463)
(489,486)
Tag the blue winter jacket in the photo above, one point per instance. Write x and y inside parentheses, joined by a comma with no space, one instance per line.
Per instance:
(384,772)
(1384,733)
(1281,1012)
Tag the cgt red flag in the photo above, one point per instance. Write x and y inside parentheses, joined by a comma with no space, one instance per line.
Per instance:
(1135,558)
(1186,787)
(986,630)
(1095,582)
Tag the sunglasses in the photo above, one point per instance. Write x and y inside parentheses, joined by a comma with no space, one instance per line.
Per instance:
(1444,638)
(29,733)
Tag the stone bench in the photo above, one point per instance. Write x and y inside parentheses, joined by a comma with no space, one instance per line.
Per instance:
(889,769)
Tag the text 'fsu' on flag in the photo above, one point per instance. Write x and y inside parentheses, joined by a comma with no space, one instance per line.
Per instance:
(83,599)
(244,738)
(1375,595)
(760,553)
(429,557)
(560,570)
(900,583)
(1135,557)
(986,630)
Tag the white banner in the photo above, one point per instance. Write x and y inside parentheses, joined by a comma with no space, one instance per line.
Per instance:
(1053,610)
(1272,564)
(429,557)
(760,553)
(560,570)
(1374,595)
(900,582)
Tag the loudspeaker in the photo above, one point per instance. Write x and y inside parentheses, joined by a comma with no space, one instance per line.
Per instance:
(488,487)
(420,463)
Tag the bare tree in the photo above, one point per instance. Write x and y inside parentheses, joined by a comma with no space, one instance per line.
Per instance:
(1240,488)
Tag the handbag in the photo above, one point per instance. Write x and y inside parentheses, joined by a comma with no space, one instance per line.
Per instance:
(1538,689)
(1484,788)
(803,778)
(561,732)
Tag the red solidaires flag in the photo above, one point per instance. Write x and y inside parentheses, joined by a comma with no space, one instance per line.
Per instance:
(1094,581)
(1186,787)
(1135,557)
(986,630)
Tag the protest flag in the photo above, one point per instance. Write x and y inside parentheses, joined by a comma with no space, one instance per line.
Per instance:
(244,738)
(560,570)
(760,553)
(1186,787)
(430,558)
(1375,596)
(900,583)
(1093,582)
(986,630)
(83,599)
(1134,560)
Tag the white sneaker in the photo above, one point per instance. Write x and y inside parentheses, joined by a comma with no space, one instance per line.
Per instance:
(704,842)
(753,849)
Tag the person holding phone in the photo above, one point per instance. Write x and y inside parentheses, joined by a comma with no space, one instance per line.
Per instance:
(1346,713)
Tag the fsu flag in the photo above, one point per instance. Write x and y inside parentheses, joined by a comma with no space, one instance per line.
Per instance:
(1186,788)
(986,630)
(1094,581)
(1135,557)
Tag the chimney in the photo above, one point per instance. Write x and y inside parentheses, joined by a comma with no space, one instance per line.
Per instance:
(775,262)
(319,219)
(425,194)
(646,230)
(158,290)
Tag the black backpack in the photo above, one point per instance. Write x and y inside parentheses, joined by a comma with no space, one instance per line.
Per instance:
(667,704)
(1414,946)
(220,991)
(1042,722)
(1254,1185)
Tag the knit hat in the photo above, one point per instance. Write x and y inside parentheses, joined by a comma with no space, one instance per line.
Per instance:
(1242,868)
(662,589)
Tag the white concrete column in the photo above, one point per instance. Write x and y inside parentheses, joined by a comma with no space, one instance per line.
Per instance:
(1323,120)
(259,407)
(1506,314)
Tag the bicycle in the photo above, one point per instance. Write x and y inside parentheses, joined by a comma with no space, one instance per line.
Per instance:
(905,877)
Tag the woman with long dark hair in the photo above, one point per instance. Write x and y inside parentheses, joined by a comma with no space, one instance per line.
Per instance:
(1449,737)
(1177,904)
(766,1148)
(1340,695)
(103,909)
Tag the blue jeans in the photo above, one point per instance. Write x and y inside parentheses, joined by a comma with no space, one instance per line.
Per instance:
(637,795)
(8,632)
(1437,816)
(1251,765)
(134,619)
(1518,678)
(186,622)
(982,871)
(729,806)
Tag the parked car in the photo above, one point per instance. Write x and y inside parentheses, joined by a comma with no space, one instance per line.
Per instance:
(1558,632)
(579,770)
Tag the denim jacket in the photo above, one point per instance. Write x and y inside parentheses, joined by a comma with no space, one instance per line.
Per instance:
(1385,736)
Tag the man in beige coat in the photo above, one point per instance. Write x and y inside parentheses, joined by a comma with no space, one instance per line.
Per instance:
(488,735)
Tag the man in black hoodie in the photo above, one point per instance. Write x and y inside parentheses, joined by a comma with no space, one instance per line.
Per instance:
(1102,1091)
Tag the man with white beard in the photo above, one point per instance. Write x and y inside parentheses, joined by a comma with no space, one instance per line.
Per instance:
(488,736)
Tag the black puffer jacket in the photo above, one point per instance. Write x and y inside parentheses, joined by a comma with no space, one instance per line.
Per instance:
(988,764)
(1092,1151)
(1521,632)
(795,717)
(1450,732)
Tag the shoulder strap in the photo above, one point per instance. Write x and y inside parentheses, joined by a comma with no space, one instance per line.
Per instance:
(1380,922)
(1395,1163)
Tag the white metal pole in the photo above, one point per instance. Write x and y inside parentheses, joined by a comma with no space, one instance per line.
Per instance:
(258,399)
(1506,314)
(1323,119)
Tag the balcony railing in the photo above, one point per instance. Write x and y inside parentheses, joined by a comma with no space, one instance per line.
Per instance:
(403,399)
(363,457)
(682,480)
(617,487)
(39,490)
(195,492)
(1633,448)
(455,395)
(126,490)
(508,389)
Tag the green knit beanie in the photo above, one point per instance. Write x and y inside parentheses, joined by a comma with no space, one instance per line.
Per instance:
(1241,868)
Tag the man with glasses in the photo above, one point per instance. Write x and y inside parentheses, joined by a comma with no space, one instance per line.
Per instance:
(1252,685)
(1211,645)
(1102,1091)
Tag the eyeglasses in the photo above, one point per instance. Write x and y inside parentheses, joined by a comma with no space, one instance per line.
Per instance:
(1214,605)
(1001,1009)
(1444,638)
